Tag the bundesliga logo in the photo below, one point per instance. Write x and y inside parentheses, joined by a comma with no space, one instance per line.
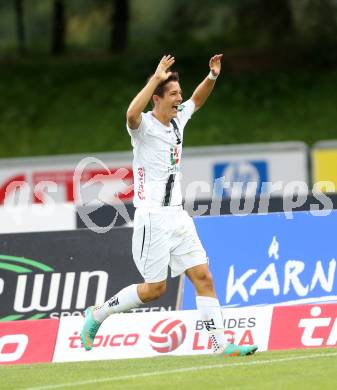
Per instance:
(167,335)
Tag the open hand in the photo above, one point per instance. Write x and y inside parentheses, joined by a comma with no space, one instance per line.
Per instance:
(215,64)
(164,65)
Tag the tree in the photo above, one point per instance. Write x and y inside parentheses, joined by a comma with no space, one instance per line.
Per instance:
(20,27)
(119,25)
(321,34)
(186,28)
(58,27)
(269,22)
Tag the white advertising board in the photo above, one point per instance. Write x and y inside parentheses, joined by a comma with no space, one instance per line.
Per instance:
(100,177)
(139,335)
(107,176)
(214,170)
(37,218)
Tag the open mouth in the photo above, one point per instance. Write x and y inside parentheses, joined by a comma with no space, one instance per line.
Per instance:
(175,108)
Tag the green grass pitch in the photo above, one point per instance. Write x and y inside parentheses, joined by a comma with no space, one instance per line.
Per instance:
(295,369)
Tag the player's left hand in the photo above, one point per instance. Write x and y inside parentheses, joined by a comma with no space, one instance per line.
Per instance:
(215,64)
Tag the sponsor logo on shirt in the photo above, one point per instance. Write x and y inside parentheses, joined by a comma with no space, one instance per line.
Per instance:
(175,155)
(141,180)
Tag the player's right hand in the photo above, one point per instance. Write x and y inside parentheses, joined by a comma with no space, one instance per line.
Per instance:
(162,71)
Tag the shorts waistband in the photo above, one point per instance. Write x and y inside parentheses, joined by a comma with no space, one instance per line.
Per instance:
(160,210)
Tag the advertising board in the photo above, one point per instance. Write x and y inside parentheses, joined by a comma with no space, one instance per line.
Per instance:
(27,341)
(55,274)
(157,334)
(37,218)
(324,165)
(270,259)
(131,335)
(208,172)
(307,326)
(214,172)
(101,177)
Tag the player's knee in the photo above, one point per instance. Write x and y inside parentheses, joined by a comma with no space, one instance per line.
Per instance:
(156,290)
(151,291)
(204,282)
(159,291)
(207,279)
(204,276)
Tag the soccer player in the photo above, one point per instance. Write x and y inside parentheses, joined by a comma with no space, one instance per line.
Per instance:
(164,234)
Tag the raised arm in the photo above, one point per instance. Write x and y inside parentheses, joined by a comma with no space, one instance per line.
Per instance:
(205,88)
(139,103)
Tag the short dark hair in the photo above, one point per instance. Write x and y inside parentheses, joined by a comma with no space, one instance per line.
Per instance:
(160,90)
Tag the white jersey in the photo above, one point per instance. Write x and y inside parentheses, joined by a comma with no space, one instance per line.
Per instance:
(157,153)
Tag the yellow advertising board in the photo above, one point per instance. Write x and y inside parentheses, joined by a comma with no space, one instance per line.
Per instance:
(324,168)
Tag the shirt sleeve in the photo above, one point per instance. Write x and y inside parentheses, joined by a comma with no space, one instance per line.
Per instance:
(186,111)
(136,133)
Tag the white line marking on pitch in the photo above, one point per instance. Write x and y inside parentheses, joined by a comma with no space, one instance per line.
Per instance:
(181,370)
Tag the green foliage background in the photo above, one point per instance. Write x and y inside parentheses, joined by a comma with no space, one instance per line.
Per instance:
(273,87)
(70,107)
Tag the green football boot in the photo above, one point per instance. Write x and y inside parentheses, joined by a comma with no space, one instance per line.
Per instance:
(239,350)
(90,328)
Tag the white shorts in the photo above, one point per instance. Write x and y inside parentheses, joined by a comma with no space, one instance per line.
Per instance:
(163,238)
